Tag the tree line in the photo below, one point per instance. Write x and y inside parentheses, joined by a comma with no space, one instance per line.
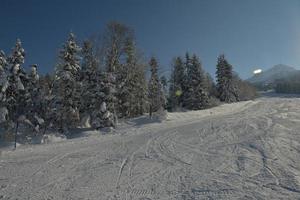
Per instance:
(99,84)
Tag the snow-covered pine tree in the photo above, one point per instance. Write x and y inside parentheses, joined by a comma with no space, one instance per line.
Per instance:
(155,91)
(196,95)
(34,101)
(3,88)
(176,84)
(136,79)
(16,93)
(17,78)
(89,78)
(226,88)
(164,84)
(67,85)
(97,91)
(104,112)
(185,80)
(47,104)
(132,86)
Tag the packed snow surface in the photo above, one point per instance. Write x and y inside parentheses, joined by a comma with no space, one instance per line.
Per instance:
(247,150)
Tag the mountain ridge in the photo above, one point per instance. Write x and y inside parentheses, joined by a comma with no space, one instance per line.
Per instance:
(269,76)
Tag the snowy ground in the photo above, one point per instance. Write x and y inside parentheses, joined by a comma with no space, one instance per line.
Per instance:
(247,150)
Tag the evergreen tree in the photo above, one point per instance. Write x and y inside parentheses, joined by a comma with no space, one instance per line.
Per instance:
(164,84)
(16,94)
(34,109)
(155,93)
(90,80)
(48,101)
(66,83)
(177,84)
(185,80)
(132,86)
(196,95)
(96,93)
(226,88)
(3,88)
(136,80)
(103,114)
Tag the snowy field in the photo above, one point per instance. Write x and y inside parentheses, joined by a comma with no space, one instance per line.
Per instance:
(246,150)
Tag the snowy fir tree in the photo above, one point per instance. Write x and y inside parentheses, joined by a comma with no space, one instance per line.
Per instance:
(227,91)
(90,79)
(3,88)
(135,84)
(185,80)
(47,113)
(104,113)
(177,84)
(96,91)
(196,95)
(66,83)
(16,93)
(34,100)
(131,87)
(155,91)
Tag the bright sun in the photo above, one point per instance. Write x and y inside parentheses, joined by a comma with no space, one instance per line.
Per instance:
(257,71)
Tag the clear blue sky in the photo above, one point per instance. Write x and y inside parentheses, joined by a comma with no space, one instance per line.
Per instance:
(251,33)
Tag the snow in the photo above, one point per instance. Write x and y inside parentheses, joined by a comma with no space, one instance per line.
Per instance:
(246,150)
(52,138)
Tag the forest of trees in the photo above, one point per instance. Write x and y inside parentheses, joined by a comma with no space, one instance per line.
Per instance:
(97,84)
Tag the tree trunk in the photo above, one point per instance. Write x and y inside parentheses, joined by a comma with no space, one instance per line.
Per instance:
(150,111)
(16,134)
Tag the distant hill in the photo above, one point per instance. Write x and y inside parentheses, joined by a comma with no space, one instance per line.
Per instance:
(272,74)
(268,79)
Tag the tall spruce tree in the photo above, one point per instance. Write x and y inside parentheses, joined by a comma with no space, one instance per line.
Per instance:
(16,94)
(66,85)
(34,102)
(196,95)
(227,91)
(3,88)
(90,80)
(95,91)
(131,82)
(103,115)
(155,91)
(177,84)
(185,80)
(47,96)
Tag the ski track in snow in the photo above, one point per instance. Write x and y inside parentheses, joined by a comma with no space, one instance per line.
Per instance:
(247,150)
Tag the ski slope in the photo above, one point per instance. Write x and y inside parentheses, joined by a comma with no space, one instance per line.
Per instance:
(247,150)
